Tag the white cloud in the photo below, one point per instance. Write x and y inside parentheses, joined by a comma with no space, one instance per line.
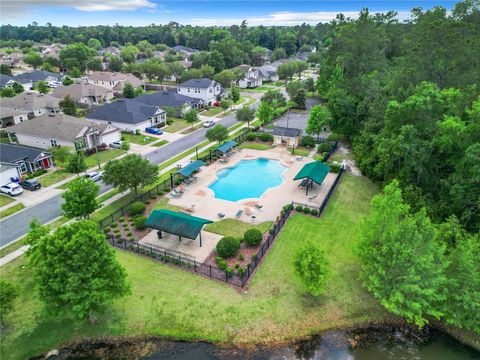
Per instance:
(10,9)
(284,18)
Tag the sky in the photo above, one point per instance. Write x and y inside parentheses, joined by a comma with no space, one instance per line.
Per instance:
(200,12)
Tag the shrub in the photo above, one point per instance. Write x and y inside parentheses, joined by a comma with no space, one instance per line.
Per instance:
(308,141)
(306,210)
(288,207)
(265,137)
(254,257)
(335,167)
(117,231)
(121,220)
(253,237)
(139,222)
(241,271)
(147,202)
(129,234)
(237,265)
(114,225)
(299,208)
(222,264)
(106,230)
(323,147)
(154,197)
(120,241)
(251,136)
(125,226)
(178,182)
(136,208)
(167,189)
(40,172)
(228,247)
(314,212)
(241,257)
(229,271)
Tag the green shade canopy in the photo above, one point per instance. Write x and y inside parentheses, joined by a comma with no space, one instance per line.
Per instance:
(315,171)
(227,146)
(176,223)
(191,168)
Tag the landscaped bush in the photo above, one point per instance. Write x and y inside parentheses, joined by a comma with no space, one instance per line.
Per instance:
(121,220)
(299,208)
(288,207)
(241,257)
(136,208)
(222,264)
(265,137)
(335,167)
(253,237)
(306,210)
(139,222)
(40,172)
(229,271)
(178,182)
(251,136)
(323,147)
(241,271)
(314,212)
(167,189)
(114,225)
(106,230)
(154,197)
(129,234)
(308,141)
(228,246)
(125,225)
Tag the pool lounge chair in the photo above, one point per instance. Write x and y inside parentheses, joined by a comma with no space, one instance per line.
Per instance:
(238,214)
(258,206)
(221,215)
(223,160)
(176,195)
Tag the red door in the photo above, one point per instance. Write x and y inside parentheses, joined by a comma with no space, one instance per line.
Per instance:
(45,163)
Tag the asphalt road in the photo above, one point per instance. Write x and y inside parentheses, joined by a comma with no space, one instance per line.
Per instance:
(17,225)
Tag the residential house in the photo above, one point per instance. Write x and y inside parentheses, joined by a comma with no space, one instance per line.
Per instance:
(26,159)
(183,49)
(286,136)
(109,50)
(52,130)
(129,115)
(11,60)
(52,50)
(8,81)
(84,93)
(33,103)
(11,116)
(252,78)
(113,80)
(170,99)
(29,79)
(268,72)
(206,90)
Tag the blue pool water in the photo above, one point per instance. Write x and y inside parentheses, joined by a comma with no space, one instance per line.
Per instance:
(248,179)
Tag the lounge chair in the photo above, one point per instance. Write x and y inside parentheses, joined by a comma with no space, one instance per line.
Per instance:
(221,215)
(176,195)
(223,160)
(258,206)
(239,213)
(299,158)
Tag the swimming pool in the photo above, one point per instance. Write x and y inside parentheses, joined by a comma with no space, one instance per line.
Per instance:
(248,179)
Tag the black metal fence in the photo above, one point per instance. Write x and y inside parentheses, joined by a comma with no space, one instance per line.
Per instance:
(330,192)
(211,271)
(215,154)
(332,150)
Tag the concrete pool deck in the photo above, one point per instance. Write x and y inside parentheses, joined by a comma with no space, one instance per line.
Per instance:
(199,200)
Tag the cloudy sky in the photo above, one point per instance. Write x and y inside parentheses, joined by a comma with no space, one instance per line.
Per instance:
(200,12)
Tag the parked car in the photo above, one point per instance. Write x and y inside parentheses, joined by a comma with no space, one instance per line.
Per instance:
(217,104)
(31,184)
(54,84)
(116,144)
(95,176)
(154,131)
(11,189)
(208,123)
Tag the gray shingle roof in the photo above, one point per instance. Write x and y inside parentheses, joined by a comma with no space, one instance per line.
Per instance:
(197,83)
(36,75)
(127,111)
(166,98)
(184,49)
(10,153)
(4,79)
(30,101)
(78,91)
(284,131)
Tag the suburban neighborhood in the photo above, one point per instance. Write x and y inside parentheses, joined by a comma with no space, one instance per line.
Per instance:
(292,185)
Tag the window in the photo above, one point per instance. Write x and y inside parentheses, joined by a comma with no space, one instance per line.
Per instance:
(53,143)
(210,90)
(23,167)
(188,89)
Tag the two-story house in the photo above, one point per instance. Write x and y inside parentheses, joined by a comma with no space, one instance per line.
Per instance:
(206,90)
(112,80)
(252,78)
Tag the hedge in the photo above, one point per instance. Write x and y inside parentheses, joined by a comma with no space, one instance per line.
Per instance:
(227,247)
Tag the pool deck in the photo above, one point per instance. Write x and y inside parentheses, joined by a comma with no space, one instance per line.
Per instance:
(199,200)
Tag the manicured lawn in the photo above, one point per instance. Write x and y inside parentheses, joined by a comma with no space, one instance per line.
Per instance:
(4,200)
(167,301)
(107,195)
(160,143)
(212,111)
(139,139)
(11,210)
(103,156)
(255,146)
(190,129)
(178,124)
(236,228)
(300,151)
(104,211)
(53,177)
(258,89)
(226,113)
(162,203)
(250,101)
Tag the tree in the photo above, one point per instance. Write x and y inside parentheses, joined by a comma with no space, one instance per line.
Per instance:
(18,88)
(279,53)
(138,91)
(129,53)
(287,70)
(224,104)
(161,71)
(75,271)
(60,154)
(245,114)
(265,112)
(80,199)
(94,44)
(8,294)
(33,59)
(235,93)
(402,263)
(128,91)
(217,133)
(224,78)
(125,145)
(67,81)
(274,98)
(42,87)
(190,116)
(7,92)
(176,70)
(75,73)
(311,267)
(300,99)
(5,70)
(318,118)
(76,55)
(67,105)
(132,171)
(310,85)
(115,63)
(76,163)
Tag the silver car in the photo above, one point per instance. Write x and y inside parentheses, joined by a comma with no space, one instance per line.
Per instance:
(94,176)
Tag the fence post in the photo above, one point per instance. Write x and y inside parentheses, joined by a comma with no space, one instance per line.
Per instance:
(210,270)
(151,251)
(165,255)
(125,244)
(226,276)
(138,247)
(194,266)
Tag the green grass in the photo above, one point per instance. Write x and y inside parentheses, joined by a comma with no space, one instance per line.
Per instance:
(53,177)
(171,302)
(236,228)
(103,156)
(225,114)
(139,139)
(192,129)
(4,200)
(255,146)
(177,125)
(258,89)
(212,111)
(299,151)
(11,210)
(104,211)
(162,203)
(250,101)
(160,143)
(107,195)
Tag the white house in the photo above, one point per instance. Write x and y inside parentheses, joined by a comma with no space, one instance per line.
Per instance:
(11,116)
(252,78)
(268,72)
(33,103)
(54,130)
(204,89)
(130,115)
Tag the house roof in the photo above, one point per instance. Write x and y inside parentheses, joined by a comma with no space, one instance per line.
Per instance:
(198,83)
(37,75)
(284,131)
(315,171)
(30,101)
(79,91)
(127,111)
(10,153)
(176,223)
(227,146)
(6,112)
(115,76)
(4,79)
(56,126)
(184,49)
(191,168)
(166,99)
(267,70)
(243,67)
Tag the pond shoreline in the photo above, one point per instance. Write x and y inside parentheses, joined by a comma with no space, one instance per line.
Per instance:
(127,348)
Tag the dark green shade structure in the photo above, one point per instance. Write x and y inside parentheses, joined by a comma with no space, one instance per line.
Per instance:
(315,171)
(191,168)
(227,146)
(176,223)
